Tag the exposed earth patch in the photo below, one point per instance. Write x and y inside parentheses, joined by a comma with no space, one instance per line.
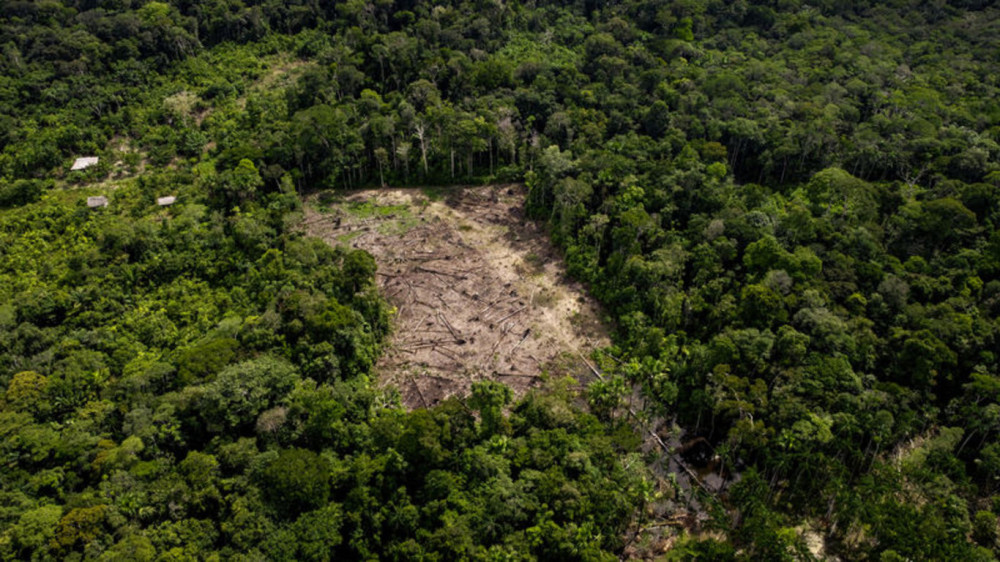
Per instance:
(480,291)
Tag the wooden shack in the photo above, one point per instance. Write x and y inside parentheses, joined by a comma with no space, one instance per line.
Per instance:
(84,162)
(97,201)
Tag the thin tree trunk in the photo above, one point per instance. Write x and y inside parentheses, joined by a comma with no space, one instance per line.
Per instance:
(422,137)
(964,443)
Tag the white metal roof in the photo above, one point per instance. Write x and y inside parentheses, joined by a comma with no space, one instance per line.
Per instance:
(85,162)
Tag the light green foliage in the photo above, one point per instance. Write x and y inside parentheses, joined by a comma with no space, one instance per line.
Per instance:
(243,391)
(33,530)
(833,192)
(79,527)
(132,547)
(26,392)
(489,399)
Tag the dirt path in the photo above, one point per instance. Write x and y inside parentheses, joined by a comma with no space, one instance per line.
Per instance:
(480,292)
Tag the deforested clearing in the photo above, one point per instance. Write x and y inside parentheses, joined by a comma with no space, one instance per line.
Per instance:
(479,291)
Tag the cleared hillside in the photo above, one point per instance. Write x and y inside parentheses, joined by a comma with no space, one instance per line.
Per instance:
(480,293)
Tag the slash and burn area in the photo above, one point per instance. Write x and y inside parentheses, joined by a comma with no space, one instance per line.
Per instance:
(479,290)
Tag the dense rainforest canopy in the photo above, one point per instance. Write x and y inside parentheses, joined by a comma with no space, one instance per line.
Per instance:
(790,211)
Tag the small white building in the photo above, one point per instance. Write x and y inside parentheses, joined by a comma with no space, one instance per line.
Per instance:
(97,201)
(164,201)
(84,163)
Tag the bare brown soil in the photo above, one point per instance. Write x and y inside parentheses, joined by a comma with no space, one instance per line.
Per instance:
(480,292)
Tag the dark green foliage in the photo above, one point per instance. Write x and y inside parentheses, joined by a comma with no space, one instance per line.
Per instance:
(297,480)
(21,192)
(204,359)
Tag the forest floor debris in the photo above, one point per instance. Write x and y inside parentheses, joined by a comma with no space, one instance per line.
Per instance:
(480,291)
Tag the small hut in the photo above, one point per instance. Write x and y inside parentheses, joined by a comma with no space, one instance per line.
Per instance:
(165,201)
(97,201)
(84,163)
